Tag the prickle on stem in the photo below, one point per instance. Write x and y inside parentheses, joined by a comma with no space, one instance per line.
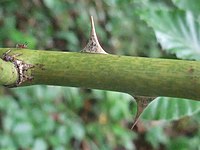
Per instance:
(93,45)
(22,45)
(142,103)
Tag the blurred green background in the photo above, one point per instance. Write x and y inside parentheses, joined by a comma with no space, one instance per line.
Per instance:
(58,118)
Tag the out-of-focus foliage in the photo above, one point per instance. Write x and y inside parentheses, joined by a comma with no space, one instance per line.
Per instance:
(42,117)
(188,5)
(65,25)
(178,31)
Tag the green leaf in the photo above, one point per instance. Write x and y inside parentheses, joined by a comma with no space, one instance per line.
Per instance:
(6,142)
(156,136)
(39,92)
(177,31)
(166,108)
(77,130)
(184,143)
(23,134)
(62,134)
(118,105)
(192,5)
(40,144)
(55,6)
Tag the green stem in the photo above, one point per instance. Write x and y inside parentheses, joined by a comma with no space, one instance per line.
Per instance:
(140,76)
(8,73)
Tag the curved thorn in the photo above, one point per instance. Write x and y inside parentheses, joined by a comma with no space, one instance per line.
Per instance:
(93,45)
(142,103)
(140,108)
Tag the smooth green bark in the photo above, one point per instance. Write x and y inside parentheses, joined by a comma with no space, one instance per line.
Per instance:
(134,75)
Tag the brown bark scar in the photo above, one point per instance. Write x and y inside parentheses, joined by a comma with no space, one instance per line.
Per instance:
(21,67)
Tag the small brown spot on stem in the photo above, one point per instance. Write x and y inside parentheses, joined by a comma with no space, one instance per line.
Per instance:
(41,66)
(191,70)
